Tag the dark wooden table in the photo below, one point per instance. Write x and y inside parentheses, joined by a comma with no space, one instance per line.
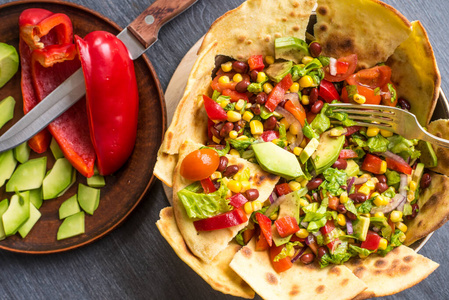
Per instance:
(134,261)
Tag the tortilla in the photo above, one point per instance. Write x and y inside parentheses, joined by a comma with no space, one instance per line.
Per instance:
(415,73)
(433,212)
(398,270)
(216,273)
(346,27)
(207,244)
(298,282)
(440,128)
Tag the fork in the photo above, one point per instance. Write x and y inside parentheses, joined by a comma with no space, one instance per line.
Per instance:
(389,118)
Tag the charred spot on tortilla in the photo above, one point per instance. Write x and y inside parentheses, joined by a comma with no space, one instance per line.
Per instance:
(356,262)
(359,271)
(295,290)
(322,10)
(320,289)
(246,252)
(378,272)
(335,270)
(404,269)
(267,39)
(431,203)
(344,282)
(271,278)
(380,263)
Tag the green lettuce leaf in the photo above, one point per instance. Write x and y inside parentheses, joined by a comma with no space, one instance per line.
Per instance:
(340,255)
(403,147)
(393,177)
(334,179)
(287,250)
(321,123)
(396,240)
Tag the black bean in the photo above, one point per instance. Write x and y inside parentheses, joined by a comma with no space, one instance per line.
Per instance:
(231,171)
(261,98)
(270,123)
(404,104)
(381,187)
(340,164)
(314,183)
(253,75)
(240,66)
(242,86)
(227,127)
(341,208)
(222,164)
(255,109)
(415,209)
(351,216)
(252,194)
(382,178)
(313,96)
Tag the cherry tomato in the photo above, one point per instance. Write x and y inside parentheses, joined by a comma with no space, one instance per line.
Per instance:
(371,78)
(200,164)
(281,265)
(371,96)
(352,65)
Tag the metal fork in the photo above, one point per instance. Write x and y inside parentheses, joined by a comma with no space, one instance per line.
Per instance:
(389,118)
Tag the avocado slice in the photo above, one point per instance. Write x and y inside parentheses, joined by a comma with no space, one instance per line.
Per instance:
(327,152)
(9,63)
(3,207)
(28,176)
(71,183)
(55,149)
(88,198)
(17,213)
(428,156)
(35,215)
(7,165)
(352,169)
(58,179)
(276,160)
(69,207)
(279,70)
(22,152)
(96,181)
(418,172)
(309,150)
(291,48)
(360,227)
(71,226)
(36,197)
(6,109)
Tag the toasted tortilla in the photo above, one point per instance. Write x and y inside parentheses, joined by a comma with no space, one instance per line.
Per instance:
(398,270)
(208,244)
(216,273)
(298,282)
(369,28)
(440,128)
(415,73)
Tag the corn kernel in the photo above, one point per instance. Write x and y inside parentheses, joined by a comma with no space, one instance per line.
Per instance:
(383,167)
(305,100)
(303,143)
(233,134)
(269,59)
(235,186)
(227,67)
(275,141)
(237,77)
(379,214)
(410,196)
(291,138)
(294,185)
(257,205)
(245,186)
(380,201)
(274,216)
(295,128)
(372,131)
(303,202)
(284,122)
(248,208)
(233,116)
(306,59)
(344,197)
(247,116)
(341,219)
(359,99)
(305,81)
(223,79)
(401,226)
(396,216)
(413,185)
(294,87)
(383,243)
(371,184)
(248,105)
(224,103)
(239,105)
(267,87)
(386,133)
(216,140)
(402,238)
(374,195)
(364,190)
(304,182)
(297,151)
(302,233)
(242,137)
(215,175)
(256,127)
(234,152)
(261,77)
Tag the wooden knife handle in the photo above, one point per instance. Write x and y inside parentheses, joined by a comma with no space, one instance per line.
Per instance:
(146,26)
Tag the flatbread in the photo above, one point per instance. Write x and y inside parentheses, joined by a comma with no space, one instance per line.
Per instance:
(433,206)
(298,282)
(440,128)
(216,273)
(398,270)
(207,244)
(369,28)
(415,73)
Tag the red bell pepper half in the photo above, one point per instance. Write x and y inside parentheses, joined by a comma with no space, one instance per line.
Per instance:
(112,98)
(328,92)
(277,94)
(286,226)
(265,227)
(231,218)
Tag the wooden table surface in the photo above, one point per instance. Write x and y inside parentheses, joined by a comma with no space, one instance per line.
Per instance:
(134,261)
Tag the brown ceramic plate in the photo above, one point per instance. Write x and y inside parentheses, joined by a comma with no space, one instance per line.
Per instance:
(126,187)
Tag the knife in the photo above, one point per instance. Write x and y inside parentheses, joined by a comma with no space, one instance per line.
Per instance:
(137,36)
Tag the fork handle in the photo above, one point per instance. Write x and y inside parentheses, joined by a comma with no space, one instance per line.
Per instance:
(434,140)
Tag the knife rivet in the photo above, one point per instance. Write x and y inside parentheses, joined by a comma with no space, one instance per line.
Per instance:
(149,19)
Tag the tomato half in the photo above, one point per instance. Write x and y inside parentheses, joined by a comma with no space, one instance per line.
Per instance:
(281,265)
(371,78)
(351,60)
(200,164)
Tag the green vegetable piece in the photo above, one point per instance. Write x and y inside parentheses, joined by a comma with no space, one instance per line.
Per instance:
(276,160)
(32,220)
(22,152)
(88,198)
(309,150)
(9,63)
(71,226)
(7,166)
(17,213)
(428,156)
(418,172)
(55,149)
(279,70)
(69,207)
(360,227)
(3,207)
(58,179)
(36,197)
(28,176)
(352,169)
(327,152)
(71,183)
(291,48)
(289,207)
(6,108)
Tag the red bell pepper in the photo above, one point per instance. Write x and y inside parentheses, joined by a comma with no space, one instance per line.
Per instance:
(235,96)
(261,243)
(214,110)
(282,264)
(283,189)
(225,220)
(328,227)
(328,92)
(399,165)
(110,83)
(277,94)
(255,62)
(286,226)
(342,67)
(372,164)
(265,227)
(208,185)
(269,135)
(237,200)
(297,111)
(347,154)
(372,241)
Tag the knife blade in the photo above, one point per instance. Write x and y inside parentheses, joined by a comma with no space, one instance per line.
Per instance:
(138,36)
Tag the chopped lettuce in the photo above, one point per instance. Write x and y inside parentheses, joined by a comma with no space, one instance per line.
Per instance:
(309,132)
(288,249)
(365,207)
(241,145)
(393,177)
(265,113)
(215,95)
(339,256)
(222,152)
(390,192)
(374,144)
(403,147)
(312,69)
(358,250)
(340,116)
(321,123)
(396,240)
(317,216)
(334,179)
(325,61)
(349,205)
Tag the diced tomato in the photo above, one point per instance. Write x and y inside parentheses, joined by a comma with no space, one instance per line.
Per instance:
(371,96)
(372,163)
(208,186)
(347,154)
(265,227)
(269,135)
(255,62)
(286,226)
(328,92)
(225,220)
(333,203)
(235,96)
(342,67)
(261,243)
(386,95)
(372,241)
(372,78)
(297,111)
(248,235)
(218,86)
(352,65)
(237,200)
(281,265)
(214,110)
(352,129)
(283,189)
(277,94)
(328,227)
(399,166)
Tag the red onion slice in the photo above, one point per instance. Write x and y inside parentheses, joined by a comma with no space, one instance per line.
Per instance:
(402,191)
(349,227)
(300,252)
(273,197)
(293,97)
(350,183)
(291,120)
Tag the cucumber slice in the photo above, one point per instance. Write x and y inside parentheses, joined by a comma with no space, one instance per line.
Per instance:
(22,152)
(58,179)
(28,176)
(35,215)
(36,197)
(6,110)
(3,207)
(88,198)
(17,213)
(7,165)
(55,149)
(71,226)
(96,181)
(69,207)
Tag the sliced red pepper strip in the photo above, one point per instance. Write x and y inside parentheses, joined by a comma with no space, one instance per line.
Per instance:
(255,62)
(372,163)
(231,218)
(328,92)
(347,154)
(328,227)
(110,82)
(297,111)
(399,166)
(282,264)
(265,227)
(208,186)
(235,96)
(286,226)
(277,94)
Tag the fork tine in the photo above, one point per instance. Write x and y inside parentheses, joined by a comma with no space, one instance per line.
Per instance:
(370,112)
(364,124)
